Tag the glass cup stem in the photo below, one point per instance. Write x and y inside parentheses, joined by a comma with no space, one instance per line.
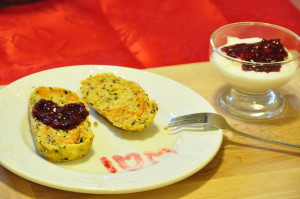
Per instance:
(265,105)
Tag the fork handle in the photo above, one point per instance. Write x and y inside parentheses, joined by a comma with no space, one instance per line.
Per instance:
(295,146)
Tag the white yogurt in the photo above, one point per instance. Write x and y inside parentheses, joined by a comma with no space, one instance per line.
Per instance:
(252,81)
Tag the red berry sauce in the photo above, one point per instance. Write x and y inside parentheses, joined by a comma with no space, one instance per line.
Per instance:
(265,51)
(60,117)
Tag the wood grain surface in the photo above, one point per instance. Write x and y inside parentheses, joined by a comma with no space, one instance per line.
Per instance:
(243,168)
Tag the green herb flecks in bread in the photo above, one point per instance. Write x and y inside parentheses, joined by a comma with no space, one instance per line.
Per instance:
(59,123)
(124,103)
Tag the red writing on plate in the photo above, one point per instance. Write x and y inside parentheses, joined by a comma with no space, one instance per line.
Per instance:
(135,159)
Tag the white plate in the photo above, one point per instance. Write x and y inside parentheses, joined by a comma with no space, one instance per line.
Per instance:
(174,157)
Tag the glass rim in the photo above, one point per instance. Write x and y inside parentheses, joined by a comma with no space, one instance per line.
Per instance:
(217,50)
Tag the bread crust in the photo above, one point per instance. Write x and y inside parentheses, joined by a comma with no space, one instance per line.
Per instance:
(124,103)
(59,145)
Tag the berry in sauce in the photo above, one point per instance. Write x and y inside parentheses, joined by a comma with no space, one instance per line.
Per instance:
(60,117)
(265,51)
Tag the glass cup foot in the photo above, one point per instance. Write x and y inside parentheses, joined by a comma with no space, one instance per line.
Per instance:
(253,106)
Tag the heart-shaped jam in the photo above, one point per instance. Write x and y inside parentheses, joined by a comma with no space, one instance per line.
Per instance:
(65,117)
(265,51)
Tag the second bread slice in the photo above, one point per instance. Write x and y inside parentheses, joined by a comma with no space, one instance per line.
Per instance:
(124,103)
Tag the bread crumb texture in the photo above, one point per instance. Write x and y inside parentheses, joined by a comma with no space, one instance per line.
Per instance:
(124,103)
(55,144)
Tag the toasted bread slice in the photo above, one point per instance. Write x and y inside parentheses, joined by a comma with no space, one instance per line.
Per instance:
(59,144)
(124,103)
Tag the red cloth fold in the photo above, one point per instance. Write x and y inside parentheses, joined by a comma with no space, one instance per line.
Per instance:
(139,34)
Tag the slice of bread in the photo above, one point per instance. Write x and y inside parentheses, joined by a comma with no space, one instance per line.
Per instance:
(124,103)
(59,145)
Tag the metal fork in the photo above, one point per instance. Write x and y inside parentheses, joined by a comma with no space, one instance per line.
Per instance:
(207,120)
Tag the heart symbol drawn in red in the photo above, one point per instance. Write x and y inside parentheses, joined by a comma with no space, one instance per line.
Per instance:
(122,161)
(64,117)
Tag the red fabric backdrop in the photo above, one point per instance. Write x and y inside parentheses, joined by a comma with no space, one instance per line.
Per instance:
(132,33)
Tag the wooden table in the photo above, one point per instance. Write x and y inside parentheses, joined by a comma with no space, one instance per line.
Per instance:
(243,168)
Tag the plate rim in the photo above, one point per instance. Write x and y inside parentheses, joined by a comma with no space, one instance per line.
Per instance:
(107,191)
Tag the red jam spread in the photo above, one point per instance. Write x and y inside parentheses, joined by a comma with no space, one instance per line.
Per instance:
(265,51)
(60,117)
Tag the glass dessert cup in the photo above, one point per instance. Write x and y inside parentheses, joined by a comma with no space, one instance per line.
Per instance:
(252,95)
